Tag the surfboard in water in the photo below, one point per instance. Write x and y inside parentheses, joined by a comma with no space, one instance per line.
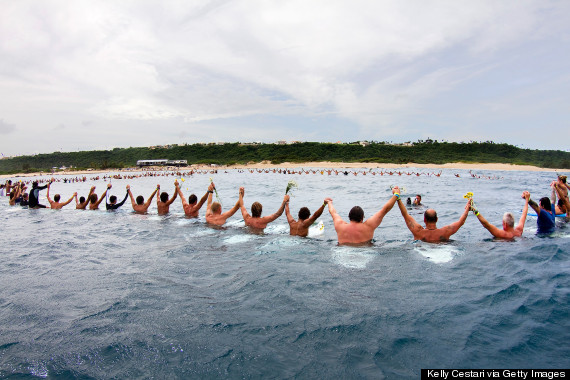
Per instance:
(317,230)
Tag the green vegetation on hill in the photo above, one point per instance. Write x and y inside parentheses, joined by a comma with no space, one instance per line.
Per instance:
(423,152)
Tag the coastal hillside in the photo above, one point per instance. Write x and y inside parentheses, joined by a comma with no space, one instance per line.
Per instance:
(421,152)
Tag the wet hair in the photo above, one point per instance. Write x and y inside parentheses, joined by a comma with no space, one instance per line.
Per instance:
(140,200)
(34,184)
(509,219)
(561,204)
(93,198)
(256,209)
(113,199)
(545,203)
(356,214)
(192,199)
(164,196)
(215,207)
(81,199)
(419,196)
(430,216)
(304,213)
(56,197)
(25,195)
(562,178)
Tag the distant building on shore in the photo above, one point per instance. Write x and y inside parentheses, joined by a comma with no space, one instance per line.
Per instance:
(161,162)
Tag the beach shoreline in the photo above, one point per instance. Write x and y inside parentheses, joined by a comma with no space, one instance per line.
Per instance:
(314,164)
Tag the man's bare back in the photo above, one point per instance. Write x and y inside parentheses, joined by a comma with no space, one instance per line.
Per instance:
(357,231)
(301,227)
(431,233)
(257,222)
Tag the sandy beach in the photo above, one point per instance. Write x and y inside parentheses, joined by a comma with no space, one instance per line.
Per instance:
(324,164)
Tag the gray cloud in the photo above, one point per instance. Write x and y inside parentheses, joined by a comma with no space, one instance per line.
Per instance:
(6,128)
(383,69)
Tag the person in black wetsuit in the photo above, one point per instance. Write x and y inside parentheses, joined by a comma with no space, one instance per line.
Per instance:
(35,195)
(114,205)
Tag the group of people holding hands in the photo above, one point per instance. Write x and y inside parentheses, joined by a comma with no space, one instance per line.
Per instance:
(356,231)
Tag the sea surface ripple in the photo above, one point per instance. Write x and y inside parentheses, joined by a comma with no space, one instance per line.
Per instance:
(97,294)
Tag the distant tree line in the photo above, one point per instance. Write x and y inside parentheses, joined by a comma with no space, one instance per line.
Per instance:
(421,152)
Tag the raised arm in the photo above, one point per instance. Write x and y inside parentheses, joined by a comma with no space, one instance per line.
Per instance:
(337,220)
(376,219)
(277,214)
(133,202)
(176,188)
(149,200)
(290,218)
(454,227)
(231,211)
(244,213)
(533,205)
(203,199)
(520,226)
(124,199)
(182,199)
(496,232)
(47,194)
(69,200)
(103,195)
(209,204)
(411,223)
(315,216)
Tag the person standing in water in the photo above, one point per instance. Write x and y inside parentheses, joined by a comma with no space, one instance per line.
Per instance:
(255,220)
(192,207)
(82,203)
(214,209)
(162,201)
(509,230)
(34,195)
(94,203)
(55,203)
(140,206)
(358,231)
(113,205)
(431,233)
(301,227)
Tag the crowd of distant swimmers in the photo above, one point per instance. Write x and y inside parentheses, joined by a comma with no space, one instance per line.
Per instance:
(355,231)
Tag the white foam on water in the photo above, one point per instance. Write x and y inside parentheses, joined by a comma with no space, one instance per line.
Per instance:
(352,257)
(277,229)
(237,239)
(437,253)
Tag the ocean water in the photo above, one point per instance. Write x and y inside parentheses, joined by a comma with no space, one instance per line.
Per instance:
(97,294)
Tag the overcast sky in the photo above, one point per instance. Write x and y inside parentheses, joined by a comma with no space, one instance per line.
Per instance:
(82,75)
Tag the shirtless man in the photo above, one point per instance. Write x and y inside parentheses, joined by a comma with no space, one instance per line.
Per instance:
(192,207)
(301,227)
(94,203)
(509,230)
(431,233)
(255,220)
(82,203)
(214,210)
(140,206)
(55,203)
(357,231)
(162,201)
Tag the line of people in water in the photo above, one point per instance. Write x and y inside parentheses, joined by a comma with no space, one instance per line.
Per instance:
(300,171)
(355,231)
